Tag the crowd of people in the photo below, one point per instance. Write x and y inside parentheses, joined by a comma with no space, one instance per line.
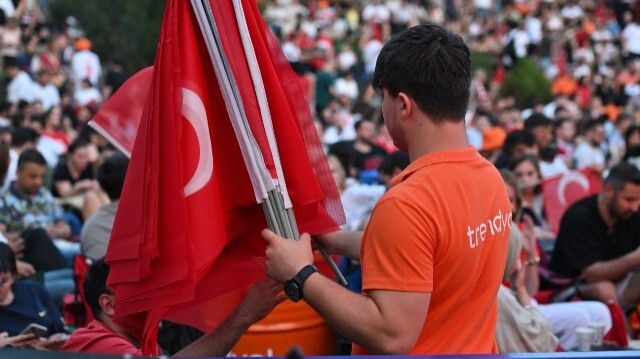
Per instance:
(61,180)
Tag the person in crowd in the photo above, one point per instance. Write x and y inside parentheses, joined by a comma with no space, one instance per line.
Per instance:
(424,74)
(27,204)
(599,239)
(74,175)
(104,336)
(360,154)
(22,138)
(521,326)
(562,319)
(589,153)
(526,167)
(97,229)
(23,302)
(517,142)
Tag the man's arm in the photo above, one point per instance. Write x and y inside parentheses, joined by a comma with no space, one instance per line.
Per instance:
(257,304)
(614,269)
(344,243)
(384,321)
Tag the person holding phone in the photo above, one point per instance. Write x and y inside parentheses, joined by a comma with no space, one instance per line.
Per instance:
(25,305)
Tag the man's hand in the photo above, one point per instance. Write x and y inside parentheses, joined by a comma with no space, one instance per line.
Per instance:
(18,341)
(260,301)
(25,269)
(54,342)
(286,257)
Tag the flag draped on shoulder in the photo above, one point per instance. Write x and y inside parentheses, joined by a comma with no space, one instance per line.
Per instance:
(186,239)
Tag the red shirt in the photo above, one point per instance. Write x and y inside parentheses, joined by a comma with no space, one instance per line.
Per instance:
(99,338)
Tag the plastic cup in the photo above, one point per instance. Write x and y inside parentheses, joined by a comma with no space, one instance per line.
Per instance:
(585,335)
(598,333)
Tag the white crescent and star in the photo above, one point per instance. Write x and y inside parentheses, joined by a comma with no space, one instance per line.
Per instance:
(193,110)
(571,177)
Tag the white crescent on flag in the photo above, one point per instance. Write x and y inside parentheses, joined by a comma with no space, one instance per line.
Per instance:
(193,110)
(571,177)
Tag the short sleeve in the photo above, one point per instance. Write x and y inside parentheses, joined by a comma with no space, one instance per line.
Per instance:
(398,248)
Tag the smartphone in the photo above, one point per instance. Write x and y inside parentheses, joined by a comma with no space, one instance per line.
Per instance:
(36,329)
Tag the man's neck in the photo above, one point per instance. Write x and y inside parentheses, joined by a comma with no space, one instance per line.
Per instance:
(605,213)
(362,146)
(430,138)
(22,193)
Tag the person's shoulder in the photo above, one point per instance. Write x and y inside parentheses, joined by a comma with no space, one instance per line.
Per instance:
(28,287)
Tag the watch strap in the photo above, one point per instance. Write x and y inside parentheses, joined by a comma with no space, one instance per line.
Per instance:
(304,273)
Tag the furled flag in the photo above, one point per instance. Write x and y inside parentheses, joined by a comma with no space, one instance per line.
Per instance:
(186,239)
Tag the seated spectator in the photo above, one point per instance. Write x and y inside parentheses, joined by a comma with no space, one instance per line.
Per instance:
(97,230)
(103,335)
(589,154)
(599,238)
(74,174)
(518,142)
(563,318)
(86,94)
(521,326)
(527,171)
(22,139)
(27,204)
(25,302)
(53,141)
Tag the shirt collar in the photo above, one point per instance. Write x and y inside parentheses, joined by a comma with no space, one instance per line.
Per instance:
(460,155)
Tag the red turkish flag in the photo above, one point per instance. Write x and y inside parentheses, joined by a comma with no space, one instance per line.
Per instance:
(186,239)
(119,118)
(561,191)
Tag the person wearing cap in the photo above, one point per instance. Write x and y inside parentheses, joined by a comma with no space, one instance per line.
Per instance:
(492,141)
(85,64)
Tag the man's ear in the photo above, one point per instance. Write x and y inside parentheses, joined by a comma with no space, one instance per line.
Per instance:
(106,302)
(407,104)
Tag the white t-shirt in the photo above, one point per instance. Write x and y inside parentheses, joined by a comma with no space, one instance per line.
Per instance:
(85,64)
(348,88)
(370,54)
(586,156)
(84,96)
(631,34)
(19,88)
(48,95)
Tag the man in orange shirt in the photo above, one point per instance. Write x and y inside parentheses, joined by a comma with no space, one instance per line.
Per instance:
(434,250)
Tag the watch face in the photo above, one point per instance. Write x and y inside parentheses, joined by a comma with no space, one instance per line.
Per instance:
(291,291)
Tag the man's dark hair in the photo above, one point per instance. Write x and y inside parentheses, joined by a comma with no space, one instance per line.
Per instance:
(111,173)
(95,285)
(537,120)
(22,135)
(430,64)
(518,137)
(630,131)
(621,174)
(7,260)
(397,159)
(78,143)
(359,123)
(591,124)
(31,156)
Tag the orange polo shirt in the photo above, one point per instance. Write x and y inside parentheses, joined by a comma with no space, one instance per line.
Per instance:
(443,228)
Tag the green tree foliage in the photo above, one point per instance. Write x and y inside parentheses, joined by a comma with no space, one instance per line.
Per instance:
(127,27)
(527,84)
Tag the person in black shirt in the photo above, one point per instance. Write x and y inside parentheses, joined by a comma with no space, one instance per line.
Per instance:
(599,238)
(74,174)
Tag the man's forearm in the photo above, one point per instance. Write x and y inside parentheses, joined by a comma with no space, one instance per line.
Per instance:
(612,270)
(220,341)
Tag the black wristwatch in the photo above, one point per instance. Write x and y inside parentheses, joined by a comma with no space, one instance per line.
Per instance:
(293,287)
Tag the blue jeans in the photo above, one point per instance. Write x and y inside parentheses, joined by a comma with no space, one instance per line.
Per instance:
(58,283)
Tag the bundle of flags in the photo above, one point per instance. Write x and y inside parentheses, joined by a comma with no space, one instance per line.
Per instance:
(224,134)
